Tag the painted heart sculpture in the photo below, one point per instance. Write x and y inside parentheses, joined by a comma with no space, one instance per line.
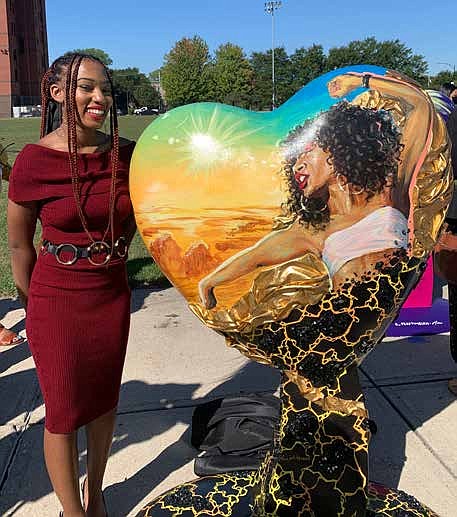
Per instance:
(298,234)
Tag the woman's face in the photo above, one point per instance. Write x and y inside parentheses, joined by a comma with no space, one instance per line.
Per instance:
(93,94)
(312,170)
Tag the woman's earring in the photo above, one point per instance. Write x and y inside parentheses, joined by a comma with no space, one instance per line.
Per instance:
(341,182)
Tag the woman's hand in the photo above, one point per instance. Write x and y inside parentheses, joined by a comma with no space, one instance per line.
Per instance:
(206,293)
(342,85)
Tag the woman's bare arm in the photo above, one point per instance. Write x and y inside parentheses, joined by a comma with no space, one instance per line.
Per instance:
(21,229)
(275,248)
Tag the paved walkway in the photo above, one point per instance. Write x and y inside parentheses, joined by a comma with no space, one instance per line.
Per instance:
(174,363)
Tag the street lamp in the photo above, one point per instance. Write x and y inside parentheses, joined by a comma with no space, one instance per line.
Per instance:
(270,8)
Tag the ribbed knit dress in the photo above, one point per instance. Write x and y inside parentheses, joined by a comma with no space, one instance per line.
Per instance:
(78,315)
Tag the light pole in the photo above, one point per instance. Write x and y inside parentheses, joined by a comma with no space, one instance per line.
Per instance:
(270,8)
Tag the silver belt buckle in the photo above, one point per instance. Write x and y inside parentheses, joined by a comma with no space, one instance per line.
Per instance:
(99,247)
(60,248)
(120,247)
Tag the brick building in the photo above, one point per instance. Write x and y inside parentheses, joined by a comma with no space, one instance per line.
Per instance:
(23,53)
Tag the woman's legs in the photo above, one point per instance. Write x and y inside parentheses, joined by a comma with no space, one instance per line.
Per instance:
(99,434)
(61,456)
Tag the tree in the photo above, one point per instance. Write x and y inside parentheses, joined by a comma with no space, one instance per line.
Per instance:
(262,66)
(186,73)
(232,76)
(133,88)
(146,95)
(390,54)
(307,64)
(445,76)
(154,76)
(96,52)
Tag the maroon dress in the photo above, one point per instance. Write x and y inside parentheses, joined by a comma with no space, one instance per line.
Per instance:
(78,315)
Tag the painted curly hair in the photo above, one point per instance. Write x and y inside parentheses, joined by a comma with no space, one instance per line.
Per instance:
(363,145)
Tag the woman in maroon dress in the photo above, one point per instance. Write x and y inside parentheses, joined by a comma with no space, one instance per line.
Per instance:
(75,181)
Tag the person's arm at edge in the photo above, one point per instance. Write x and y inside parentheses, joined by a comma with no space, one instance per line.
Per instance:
(22,220)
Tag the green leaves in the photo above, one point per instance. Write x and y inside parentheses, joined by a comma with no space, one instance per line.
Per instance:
(445,76)
(186,74)
(390,54)
(190,74)
(284,88)
(132,87)
(232,76)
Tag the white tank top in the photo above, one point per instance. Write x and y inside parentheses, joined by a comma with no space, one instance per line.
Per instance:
(383,229)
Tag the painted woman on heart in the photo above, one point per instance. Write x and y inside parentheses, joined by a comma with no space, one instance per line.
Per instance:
(347,199)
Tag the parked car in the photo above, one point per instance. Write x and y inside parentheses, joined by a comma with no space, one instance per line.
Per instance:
(149,111)
(145,111)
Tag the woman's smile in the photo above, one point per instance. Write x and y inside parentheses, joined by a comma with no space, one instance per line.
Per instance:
(96,113)
(301,177)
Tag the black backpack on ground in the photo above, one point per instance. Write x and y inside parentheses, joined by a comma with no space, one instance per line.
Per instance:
(234,433)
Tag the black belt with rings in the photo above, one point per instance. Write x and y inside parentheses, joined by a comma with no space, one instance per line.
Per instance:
(101,248)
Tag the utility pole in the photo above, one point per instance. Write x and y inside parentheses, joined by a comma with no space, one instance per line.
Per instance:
(270,8)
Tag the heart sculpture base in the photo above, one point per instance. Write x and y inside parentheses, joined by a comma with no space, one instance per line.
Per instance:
(231,495)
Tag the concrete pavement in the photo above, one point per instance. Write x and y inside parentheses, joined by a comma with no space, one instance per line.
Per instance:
(174,363)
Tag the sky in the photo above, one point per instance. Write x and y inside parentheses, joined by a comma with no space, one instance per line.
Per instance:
(138,33)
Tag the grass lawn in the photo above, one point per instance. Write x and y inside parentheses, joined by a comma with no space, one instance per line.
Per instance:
(141,268)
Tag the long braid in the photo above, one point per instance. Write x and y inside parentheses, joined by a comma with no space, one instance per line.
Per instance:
(45,98)
(70,108)
(51,113)
(114,131)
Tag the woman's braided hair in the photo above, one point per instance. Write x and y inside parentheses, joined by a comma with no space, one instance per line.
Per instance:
(66,68)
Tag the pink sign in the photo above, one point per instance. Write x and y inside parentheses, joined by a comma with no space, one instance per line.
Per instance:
(421,296)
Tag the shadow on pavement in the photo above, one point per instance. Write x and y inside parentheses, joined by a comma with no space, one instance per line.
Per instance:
(11,304)
(21,483)
(408,381)
(11,355)
(126,495)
